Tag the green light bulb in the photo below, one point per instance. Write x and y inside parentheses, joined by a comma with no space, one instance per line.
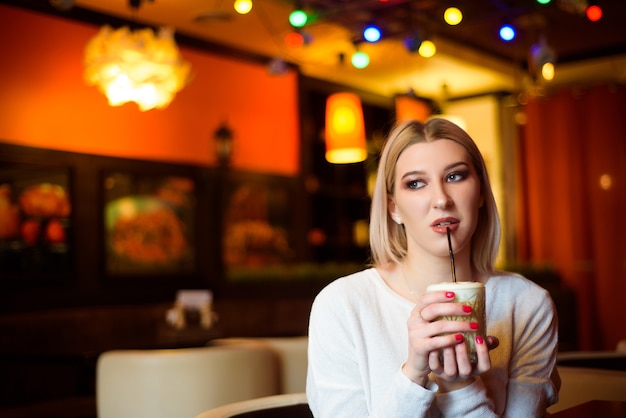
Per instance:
(298,18)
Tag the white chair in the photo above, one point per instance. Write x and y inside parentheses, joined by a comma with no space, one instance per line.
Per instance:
(292,358)
(583,384)
(291,405)
(181,383)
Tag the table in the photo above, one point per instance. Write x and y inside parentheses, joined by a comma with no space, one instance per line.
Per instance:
(603,409)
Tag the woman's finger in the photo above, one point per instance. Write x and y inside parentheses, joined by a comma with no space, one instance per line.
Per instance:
(482,352)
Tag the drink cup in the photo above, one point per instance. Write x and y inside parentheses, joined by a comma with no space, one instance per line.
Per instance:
(471,294)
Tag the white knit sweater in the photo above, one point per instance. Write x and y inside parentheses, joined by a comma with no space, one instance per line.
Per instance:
(358,341)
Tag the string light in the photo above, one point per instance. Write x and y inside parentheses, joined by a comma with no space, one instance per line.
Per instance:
(294,39)
(594,13)
(298,18)
(243,6)
(371,33)
(452,16)
(360,60)
(427,49)
(547,71)
(507,32)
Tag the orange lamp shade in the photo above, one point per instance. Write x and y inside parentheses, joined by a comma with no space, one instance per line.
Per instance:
(345,129)
(410,108)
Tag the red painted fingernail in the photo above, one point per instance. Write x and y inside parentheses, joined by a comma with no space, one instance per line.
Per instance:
(449,295)
(474,325)
(479,339)
(459,337)
(467,309)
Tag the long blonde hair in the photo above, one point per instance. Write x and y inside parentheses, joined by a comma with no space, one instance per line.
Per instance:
(388,241)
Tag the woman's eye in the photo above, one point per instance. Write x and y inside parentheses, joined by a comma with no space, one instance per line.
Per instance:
(456,176)
(415,184)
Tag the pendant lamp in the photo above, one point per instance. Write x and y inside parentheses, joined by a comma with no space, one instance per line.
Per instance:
(345,129)
(411,108)
(136,66)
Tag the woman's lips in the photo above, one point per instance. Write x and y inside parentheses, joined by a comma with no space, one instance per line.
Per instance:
(441,225)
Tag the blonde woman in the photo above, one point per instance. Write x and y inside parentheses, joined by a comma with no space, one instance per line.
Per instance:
(374,347)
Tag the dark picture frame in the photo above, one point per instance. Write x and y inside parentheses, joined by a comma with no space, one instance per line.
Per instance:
(149,223)
(36,210)
(260,230)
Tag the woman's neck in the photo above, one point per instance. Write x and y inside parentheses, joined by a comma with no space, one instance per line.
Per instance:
(421,271)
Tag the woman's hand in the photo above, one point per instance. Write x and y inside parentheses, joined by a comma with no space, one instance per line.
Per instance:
(438,346)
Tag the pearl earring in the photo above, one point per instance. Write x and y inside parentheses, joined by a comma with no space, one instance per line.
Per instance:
(397,220)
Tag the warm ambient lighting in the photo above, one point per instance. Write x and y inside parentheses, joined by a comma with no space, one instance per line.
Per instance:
(457,120)
(547,71)
(427,49)
(242,6)
(452,16)
(138,66)
(409,107)
(345,129)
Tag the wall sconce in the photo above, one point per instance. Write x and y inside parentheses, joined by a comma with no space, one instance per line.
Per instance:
(223,137)
(345,129)
(136,66)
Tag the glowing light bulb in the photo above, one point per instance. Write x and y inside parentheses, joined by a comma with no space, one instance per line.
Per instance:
(360,60)
(294,40)
(594,13)
(298,18)
(547,71)
(371,33)
(243,6)
(427,49)
(507,32)
(452,16)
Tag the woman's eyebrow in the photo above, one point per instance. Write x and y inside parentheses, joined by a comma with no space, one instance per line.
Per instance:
(457,164)
(448,167)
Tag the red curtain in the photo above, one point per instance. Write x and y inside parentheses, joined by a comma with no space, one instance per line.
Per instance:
(572,206)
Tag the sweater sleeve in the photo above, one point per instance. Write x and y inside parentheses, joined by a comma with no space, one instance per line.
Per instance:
(336,385)
(468,402)
(533,380)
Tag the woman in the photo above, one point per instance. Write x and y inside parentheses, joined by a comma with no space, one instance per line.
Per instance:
(374,347)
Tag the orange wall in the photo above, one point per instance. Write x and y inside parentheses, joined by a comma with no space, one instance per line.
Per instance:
(45,103)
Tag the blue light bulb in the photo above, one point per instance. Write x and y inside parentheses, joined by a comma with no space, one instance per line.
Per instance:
(371,33)
(507,32)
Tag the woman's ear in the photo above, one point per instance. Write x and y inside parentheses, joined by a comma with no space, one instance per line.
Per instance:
(393,211)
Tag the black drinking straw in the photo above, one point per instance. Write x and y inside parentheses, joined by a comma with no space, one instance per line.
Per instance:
(452,267)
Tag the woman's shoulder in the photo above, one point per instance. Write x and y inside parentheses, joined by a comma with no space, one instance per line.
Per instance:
(352,286)
(351,282)
(505,282)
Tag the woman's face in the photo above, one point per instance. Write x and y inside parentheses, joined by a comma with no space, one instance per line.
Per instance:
(436,187)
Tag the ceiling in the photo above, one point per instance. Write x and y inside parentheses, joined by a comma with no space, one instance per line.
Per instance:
(470,57)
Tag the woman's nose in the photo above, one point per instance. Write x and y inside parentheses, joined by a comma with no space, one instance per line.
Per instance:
(442,199)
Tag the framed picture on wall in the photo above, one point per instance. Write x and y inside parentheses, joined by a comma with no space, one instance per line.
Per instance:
(258,225)
(35,221)
(149,223)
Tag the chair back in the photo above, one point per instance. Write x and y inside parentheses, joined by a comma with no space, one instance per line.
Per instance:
(290,405)
(183,382)
(292,358)
(583,384)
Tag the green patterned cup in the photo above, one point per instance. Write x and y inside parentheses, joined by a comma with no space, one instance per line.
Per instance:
(472,294)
